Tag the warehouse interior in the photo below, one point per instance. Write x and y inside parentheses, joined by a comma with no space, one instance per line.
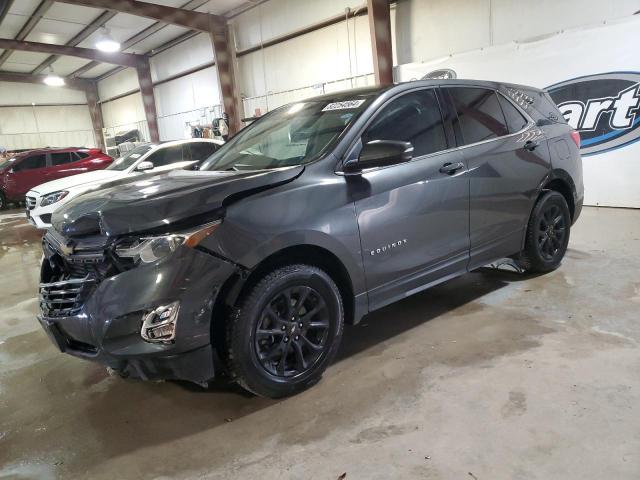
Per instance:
(494,374)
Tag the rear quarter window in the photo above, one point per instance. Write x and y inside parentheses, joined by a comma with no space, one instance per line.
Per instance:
(479,113)
(515,120)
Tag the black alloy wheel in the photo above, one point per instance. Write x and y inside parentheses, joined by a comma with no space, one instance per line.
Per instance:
(293,331)
(285,331)
(551,231)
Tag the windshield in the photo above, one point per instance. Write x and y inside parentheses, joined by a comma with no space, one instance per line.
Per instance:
(291,135)
(129,158)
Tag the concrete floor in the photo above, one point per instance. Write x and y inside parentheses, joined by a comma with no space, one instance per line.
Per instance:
(490,376)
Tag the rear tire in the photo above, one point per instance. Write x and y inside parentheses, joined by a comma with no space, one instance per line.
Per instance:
(3,201)
(547,234)
(286,331)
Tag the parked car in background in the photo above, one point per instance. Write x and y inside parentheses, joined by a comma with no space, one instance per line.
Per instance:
(24,171)
(313,216)
(150,158)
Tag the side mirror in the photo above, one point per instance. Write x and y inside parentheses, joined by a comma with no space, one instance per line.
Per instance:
(144,166)
(381,153)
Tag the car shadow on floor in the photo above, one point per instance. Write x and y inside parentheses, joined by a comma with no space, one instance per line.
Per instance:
(186,409)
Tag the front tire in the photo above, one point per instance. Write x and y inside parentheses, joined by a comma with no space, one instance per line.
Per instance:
(286,331)
(547,234)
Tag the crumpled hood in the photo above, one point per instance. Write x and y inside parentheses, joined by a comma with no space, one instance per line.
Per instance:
(155,202)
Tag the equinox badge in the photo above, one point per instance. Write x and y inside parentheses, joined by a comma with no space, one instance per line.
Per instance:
(389,246)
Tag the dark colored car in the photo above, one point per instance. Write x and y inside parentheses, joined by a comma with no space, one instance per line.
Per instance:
(21,173)
(313,216)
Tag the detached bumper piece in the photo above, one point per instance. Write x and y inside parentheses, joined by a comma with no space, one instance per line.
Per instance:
(194,366)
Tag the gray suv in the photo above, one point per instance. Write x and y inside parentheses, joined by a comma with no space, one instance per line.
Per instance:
(316,214)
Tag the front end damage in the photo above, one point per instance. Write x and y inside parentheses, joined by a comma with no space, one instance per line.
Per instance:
(144,320)
(125,281)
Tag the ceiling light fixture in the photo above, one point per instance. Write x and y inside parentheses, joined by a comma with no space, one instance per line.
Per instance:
(53,80)
(107,43)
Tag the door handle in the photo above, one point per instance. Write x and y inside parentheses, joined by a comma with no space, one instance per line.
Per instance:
(451,168)
(530,145)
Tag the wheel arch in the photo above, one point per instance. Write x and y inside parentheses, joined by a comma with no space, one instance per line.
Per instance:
(241,282)
(559,181)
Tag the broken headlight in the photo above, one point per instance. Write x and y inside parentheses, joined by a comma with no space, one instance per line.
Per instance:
(151,249)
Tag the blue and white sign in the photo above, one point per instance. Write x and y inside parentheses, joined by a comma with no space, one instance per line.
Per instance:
(603,108)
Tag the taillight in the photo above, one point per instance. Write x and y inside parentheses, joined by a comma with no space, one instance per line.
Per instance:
(575,136)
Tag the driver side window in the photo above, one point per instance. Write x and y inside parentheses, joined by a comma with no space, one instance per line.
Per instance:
(31,163)
(166,156)
(414,117)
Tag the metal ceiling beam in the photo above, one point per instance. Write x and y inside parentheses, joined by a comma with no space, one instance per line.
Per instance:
(174,16)
(147,32)
(380,30)
(5,6)
(95,25)
(124,59)
(29,25)
(76,83)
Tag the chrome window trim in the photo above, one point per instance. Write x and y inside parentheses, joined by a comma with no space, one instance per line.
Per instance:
(339,170)
(530,124)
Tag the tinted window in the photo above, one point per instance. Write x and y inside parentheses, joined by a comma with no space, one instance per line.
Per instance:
(32,162)
(166,156)
(200,151)
(479,114)
(79,156)
(414,117)
(60,158)
(515,120)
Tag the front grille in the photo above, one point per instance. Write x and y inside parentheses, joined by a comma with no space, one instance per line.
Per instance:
(64,298)
(72,269)
(31,203)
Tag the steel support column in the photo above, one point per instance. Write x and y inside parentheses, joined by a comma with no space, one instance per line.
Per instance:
(224,58)
(95,110)
(380,29)
(148,98)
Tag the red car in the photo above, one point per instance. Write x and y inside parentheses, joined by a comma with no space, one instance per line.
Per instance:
(21,173)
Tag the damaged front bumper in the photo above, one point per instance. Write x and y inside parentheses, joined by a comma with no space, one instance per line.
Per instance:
(101,320)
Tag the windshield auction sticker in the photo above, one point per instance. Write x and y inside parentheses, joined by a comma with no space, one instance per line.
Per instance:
(346,105)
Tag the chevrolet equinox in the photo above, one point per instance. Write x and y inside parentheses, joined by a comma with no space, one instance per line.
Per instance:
(316,214)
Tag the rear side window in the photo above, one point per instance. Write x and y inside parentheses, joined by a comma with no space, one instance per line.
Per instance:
(479,114)
(414,117)
(31,163)
(60,158)
(200,151)
(515,120)
(166,156)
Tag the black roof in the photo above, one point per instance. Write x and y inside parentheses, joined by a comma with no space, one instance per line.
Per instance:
(365,92)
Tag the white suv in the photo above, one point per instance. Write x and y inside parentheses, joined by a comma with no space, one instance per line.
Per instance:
(45,199)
